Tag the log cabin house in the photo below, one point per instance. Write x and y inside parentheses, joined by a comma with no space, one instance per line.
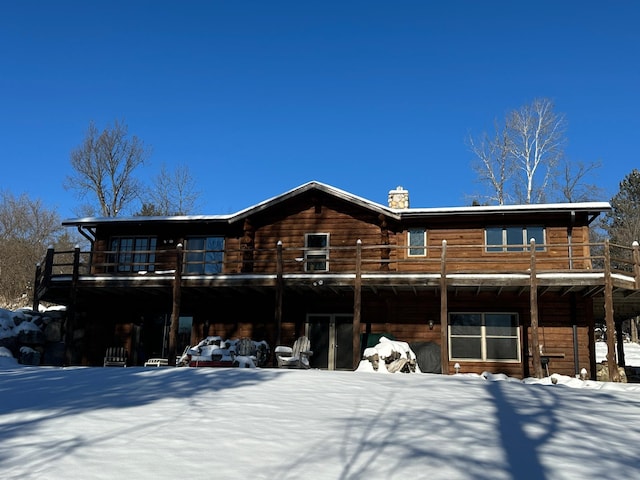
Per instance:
(506,289)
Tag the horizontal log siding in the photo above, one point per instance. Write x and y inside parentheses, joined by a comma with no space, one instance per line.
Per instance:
(230,331)
(509,369)
(465,257)
(344,231)
(346,224)
(557,341)
(406,317)
(581,254)
(232,256)
(99,257)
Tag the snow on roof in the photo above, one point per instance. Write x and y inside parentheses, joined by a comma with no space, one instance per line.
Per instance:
(595,207)
(589,207)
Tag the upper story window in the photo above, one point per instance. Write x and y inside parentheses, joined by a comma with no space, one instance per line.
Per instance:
(204,255)
(484,336)
(316,252)
(132,254)
(514,238)
(417,241)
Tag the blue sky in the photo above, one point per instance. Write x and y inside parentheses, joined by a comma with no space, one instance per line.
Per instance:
(258,97)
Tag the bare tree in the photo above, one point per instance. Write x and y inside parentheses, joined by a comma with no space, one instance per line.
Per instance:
(520,160)
(493,165)
(172,193)
(571,182)
(105,165)
(27,228)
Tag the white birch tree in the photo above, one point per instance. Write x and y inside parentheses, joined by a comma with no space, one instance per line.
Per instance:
(536,145)
(520,161)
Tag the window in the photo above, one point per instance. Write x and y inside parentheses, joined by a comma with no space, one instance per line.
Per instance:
(513,239)
(132,254)
(316,253)
(204,255)
(484,336)
(417,240)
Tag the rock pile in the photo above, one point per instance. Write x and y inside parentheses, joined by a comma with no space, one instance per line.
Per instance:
(33,338)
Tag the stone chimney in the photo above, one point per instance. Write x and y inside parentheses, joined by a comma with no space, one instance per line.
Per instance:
(399,198)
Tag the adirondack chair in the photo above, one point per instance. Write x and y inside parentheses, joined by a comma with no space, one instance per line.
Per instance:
(115,357)
(296,356)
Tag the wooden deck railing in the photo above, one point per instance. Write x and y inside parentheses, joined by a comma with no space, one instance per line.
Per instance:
(587,257)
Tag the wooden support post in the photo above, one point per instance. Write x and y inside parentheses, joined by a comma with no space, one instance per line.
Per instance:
(36,284)
(357,305)
(636,274)
(175,311)
(42,277)
(533,306)
(574,327)
(636,263)
(620,344)
(444,321)
(76,266)
(48,266)
(279,291)
(608,316)
(73,299)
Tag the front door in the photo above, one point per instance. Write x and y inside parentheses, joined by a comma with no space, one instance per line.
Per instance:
(331,337)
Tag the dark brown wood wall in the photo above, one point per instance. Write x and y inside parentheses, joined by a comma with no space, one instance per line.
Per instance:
(406,317)
(344,229)
(346,223)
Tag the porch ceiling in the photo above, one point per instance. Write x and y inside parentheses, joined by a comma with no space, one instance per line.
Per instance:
(158,288)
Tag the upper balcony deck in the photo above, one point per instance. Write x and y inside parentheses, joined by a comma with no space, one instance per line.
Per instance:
(564,267)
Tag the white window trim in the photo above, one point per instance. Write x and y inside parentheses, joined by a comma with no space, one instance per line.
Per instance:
(308,251)
(423,247)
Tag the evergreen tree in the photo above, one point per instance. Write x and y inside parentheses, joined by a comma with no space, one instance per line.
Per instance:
(623,222)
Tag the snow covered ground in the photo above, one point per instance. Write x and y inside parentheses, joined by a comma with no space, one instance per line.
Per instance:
(168,423)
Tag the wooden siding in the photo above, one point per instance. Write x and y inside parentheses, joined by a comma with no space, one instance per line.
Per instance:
(344,230)
(557,345)
(236,306)
(250,244)
(466,253)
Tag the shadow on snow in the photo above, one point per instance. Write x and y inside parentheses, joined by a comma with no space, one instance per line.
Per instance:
(503,430)
(31,396)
